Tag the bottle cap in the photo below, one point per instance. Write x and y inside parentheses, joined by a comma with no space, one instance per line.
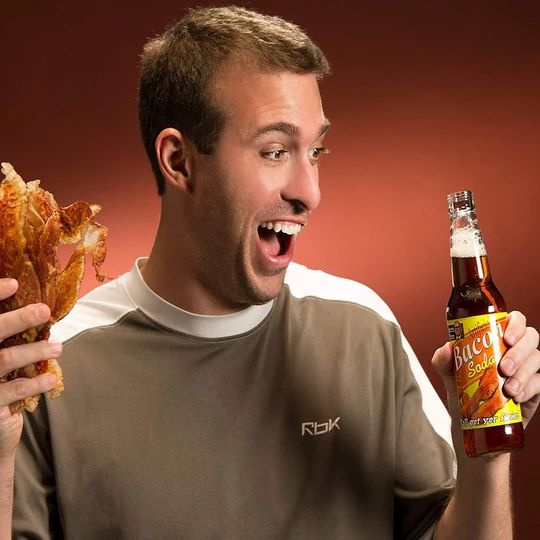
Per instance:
(460,201)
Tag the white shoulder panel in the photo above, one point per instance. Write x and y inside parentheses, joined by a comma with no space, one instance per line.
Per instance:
(102,306)
(303,282)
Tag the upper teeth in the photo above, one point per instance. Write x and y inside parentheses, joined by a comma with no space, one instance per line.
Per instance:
(287,228)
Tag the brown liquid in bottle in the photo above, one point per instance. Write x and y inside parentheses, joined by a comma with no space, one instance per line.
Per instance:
(474,293)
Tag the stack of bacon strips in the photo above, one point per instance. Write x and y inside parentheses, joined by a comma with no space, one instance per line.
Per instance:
(32,226)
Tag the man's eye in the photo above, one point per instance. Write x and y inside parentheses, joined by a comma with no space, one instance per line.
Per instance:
(315,153)
(274,155)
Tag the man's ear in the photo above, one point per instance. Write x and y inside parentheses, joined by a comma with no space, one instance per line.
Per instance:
(175,158)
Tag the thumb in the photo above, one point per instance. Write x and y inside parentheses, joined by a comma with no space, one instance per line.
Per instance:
(443,363)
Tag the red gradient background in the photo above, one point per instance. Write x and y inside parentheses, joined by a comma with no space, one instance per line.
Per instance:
(425,98)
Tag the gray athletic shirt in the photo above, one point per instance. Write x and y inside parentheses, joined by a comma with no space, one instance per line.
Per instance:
(308,417)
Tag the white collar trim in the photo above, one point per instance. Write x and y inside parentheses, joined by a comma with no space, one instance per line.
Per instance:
(175,318)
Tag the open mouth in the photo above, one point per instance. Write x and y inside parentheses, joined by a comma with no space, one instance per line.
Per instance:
(276,237)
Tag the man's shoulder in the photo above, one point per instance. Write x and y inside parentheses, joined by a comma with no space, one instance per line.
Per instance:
(103,306)
(304,282)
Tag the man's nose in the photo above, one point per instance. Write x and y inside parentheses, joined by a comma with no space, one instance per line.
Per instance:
(302,187)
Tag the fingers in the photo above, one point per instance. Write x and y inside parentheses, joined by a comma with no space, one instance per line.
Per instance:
(522,360)
(517,325)
(24,318)
(15,322)
(8,287)
(17,357)
(22,355)
(519,352)
(23,388)
(521,364)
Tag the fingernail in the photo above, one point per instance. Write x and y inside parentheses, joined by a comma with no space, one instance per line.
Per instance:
(513,385)
(509,366)
(55,347)
(41,311)
(51,379)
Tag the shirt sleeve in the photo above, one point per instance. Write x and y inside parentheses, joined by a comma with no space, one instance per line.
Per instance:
(424,461)
(35,512)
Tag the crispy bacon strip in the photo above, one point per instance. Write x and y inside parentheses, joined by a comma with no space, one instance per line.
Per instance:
(32,226)
(490,406)
(489,383)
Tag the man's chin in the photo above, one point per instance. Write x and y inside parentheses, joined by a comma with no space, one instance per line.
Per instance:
(267,288)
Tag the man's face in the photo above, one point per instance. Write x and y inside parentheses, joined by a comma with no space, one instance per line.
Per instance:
(258,187)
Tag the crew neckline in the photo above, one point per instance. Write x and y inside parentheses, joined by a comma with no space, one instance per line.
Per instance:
(175,318)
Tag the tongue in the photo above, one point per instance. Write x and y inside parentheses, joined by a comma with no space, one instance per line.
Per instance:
(269,242)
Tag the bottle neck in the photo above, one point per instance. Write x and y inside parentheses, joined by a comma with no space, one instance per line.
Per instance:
(472,271)
(469,257)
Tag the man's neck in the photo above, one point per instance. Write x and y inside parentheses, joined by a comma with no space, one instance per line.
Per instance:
(175,284)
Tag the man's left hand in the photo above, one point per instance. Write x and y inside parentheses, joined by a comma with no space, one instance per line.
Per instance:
(521,364)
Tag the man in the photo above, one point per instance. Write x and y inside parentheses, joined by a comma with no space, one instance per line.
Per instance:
(217,390)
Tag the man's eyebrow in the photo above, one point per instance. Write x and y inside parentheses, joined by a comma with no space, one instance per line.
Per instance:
(288,128)
(325,127)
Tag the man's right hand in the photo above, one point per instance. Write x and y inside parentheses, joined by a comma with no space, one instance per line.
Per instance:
(12,323)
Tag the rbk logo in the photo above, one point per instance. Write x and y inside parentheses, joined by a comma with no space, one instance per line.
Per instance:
(318,428)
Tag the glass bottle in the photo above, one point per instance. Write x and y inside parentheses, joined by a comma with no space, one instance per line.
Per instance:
(477,317)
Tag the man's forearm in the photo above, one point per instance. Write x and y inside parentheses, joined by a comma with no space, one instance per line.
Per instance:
(480,508)
(7,472)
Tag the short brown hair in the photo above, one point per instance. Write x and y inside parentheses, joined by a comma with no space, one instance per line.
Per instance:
(179,66)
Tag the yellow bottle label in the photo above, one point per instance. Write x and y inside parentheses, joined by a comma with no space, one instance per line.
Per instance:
(478,347)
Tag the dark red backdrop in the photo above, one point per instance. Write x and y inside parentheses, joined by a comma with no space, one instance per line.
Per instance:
(426,98)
